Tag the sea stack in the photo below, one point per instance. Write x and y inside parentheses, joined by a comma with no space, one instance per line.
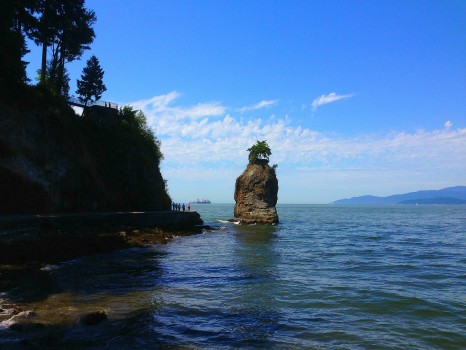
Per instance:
(256,189)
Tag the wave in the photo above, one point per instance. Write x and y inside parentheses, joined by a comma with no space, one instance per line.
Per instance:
(229,222)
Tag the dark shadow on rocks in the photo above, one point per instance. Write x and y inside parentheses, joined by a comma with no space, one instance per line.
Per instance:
(92,318)
(27,283)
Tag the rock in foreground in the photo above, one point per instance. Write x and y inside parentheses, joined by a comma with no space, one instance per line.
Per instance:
(256,194)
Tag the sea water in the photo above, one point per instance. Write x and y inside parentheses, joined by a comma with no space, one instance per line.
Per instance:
(326,277)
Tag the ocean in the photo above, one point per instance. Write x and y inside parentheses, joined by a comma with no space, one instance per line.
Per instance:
(326,277)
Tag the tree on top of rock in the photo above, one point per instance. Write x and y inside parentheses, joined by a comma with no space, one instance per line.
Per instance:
(260,150)
(91,86)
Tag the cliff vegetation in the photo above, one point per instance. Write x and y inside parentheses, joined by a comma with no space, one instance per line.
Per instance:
(52,160)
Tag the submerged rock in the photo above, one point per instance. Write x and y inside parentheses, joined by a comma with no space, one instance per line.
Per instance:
(27,326)
(93,318)
(256,193)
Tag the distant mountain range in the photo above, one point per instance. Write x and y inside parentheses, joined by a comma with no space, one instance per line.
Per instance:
(450,195)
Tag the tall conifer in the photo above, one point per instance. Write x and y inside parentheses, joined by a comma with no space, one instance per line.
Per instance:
(91,86)
(64,26)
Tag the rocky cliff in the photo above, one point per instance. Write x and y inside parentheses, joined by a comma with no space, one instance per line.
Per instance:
(52,160)
(256,194)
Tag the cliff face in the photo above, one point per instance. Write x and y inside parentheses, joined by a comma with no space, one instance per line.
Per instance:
(256,194)
(52,160)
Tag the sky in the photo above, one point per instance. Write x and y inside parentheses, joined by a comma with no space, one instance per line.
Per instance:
(353,97)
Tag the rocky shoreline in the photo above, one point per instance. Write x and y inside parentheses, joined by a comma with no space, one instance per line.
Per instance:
(28,242)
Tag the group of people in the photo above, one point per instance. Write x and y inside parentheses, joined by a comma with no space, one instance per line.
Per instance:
(179,207)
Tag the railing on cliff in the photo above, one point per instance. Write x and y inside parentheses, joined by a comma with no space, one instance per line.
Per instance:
(74,101)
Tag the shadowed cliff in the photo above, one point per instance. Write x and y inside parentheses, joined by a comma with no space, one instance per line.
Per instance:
(52,160)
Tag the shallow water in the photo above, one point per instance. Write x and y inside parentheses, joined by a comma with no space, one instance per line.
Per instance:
(326,277)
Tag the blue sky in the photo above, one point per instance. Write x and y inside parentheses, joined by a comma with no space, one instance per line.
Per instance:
(354,97)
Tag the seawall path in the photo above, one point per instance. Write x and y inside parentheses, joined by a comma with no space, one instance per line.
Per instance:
(52,238)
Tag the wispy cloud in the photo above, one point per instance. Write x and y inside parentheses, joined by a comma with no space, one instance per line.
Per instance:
(205,136)
(197,136)
(161,106)
(325,99)
(259,105)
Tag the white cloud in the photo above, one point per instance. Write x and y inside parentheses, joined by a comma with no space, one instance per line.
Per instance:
(448,124)
(204,136)
(259,105)
(198,137)
(331,97)
(160,106)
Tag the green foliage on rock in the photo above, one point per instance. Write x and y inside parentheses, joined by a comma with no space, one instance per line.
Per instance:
(260,150)
(137,122)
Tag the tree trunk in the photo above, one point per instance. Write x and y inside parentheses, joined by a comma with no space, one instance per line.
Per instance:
(43,25)
(44,62)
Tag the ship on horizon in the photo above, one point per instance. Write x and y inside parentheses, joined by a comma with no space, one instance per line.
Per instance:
(201,201)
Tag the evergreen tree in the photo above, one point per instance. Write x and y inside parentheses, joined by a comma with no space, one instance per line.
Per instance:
(59,79)
(66,27)
(62,27)
(91,86)
(15,20)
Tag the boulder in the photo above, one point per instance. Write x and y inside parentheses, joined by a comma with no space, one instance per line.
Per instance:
(93,318)
(256,194)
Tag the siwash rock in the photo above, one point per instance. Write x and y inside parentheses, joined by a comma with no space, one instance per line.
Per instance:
(256,194)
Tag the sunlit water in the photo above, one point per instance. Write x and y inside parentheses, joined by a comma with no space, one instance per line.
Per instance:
(326,277)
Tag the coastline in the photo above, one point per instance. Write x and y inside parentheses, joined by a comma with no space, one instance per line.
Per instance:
(28,243)
(42,239)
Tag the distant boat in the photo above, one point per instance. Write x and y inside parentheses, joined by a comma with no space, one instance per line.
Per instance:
(201,201)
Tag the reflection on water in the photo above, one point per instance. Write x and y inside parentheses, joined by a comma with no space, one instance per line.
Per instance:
(256,234)
(219,293)
(254,251)
(256,259)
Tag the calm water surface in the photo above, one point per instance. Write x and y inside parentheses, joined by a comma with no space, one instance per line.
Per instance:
(326,277)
